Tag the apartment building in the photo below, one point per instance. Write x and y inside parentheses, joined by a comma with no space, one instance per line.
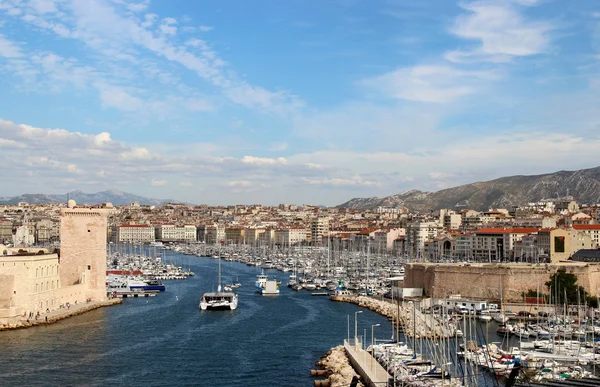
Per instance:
(593,230)
(214,233)
(497,243)
(290,236)
(417,233)
(171,232)
(234,235)
(319,228)
(252,235)
(133,233)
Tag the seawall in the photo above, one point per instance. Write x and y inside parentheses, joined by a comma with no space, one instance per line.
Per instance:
(485,281)
(59,314)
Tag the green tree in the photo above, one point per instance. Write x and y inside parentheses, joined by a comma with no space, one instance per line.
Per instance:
(562,283)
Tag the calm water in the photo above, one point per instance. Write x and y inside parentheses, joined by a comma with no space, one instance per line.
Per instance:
(166,341)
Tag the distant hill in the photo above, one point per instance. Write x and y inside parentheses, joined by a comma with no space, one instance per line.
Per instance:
(113,196)
(505,192)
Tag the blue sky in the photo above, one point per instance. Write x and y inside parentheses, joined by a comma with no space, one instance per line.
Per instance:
(225,102)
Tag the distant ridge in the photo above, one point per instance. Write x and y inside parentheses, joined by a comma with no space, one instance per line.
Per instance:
(115,197)
(583,185)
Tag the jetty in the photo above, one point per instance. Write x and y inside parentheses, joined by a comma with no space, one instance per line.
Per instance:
(60,314)
(413,322)
(336,367)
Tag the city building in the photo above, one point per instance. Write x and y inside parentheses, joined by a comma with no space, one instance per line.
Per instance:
(171,232)
(133,233)
(319,229)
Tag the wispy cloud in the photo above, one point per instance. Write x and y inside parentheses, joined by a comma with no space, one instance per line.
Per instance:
(130,39)
(428,83)
(9,49)
(502,31)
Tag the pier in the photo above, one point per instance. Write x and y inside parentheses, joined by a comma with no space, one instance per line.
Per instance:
(60,314)
(371,372)
(413,322)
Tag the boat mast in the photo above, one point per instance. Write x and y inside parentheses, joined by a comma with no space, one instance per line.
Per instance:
(219,277)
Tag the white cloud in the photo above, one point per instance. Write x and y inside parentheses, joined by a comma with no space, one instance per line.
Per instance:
(136,154)
(205,28)
(158,183)
(263,160)
(168,27)
(115,97)
(502,31)
(5,143)
(9,49)
(436,84)
(186,184)
(353,181)
(239,183)
(43,6)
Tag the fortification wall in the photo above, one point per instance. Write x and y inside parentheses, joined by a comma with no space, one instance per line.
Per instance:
(484,281)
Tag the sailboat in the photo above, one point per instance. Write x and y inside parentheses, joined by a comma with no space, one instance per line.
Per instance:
(219,300)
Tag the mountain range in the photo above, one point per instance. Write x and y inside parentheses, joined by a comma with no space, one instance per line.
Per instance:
(583,185)
(113,196)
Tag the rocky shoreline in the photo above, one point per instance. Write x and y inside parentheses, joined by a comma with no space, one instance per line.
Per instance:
(60,314)
(339,369)
(423,325)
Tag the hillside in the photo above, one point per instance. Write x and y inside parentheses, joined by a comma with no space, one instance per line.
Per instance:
(583,185)
(113,196)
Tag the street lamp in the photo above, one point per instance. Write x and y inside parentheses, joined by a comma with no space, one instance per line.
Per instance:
(348,328)
(356,326)
(372,343)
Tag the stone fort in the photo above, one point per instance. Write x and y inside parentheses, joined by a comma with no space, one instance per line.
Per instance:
(486,281)
(36,280)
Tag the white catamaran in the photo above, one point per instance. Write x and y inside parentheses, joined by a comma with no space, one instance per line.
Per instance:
(219,300)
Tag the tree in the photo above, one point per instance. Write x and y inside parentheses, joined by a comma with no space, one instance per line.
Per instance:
(562,283)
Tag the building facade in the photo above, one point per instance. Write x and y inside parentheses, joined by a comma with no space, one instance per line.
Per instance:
(171,232)
(133,233)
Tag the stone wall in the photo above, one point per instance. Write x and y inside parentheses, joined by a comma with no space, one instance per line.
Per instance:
(485,281)
(83,249)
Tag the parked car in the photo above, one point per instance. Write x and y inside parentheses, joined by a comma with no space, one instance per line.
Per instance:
(524,313)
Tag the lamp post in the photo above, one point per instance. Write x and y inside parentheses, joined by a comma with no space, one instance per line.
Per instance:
(348,329)
(372,343)
(356,326)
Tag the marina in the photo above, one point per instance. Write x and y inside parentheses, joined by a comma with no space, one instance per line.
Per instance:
(136,343)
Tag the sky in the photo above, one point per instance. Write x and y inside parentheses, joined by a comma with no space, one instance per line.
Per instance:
(297,101)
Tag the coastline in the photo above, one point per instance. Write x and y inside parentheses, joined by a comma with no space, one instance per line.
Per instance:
(338,369)
(60,314)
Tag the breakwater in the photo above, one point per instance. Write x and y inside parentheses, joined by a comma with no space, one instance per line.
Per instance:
(59,314)
(337,367)
(414,323)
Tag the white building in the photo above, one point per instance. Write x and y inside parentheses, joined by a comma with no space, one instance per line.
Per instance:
(133,233)
(290,236)
(170,232)
(319,228)
(593,230)
(416,235)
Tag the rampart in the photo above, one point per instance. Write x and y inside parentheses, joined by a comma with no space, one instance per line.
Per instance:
(485,281)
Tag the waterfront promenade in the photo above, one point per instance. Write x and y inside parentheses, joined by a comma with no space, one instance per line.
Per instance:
(59,314)
(371,372)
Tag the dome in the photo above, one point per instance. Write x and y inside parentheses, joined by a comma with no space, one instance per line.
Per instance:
(71,203)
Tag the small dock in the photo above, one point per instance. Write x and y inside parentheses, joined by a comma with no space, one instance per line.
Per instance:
(325,294)
(371,372)
(136,294)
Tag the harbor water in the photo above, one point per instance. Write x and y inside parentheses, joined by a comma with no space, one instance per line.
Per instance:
(167,341)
